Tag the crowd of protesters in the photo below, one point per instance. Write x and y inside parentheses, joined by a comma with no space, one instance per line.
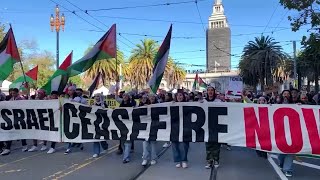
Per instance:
(180,149)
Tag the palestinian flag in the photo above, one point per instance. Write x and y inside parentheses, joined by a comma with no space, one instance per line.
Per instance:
(9,55)
(23,81)
(59,79)
(160,62)
(95,83)
(105,48)
(198,83)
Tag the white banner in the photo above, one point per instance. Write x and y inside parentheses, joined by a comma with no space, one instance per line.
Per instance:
(30,119)
(277,128)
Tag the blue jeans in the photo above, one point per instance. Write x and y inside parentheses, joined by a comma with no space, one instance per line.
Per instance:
(96,146)
(286,162)
(180,151)
(149,150)
(127,148)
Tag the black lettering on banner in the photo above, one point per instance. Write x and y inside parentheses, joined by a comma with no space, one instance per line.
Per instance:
(51,119)
(84,110)
(214,126)
(8,125)
(18,118)
(32,119)
(175,123)
(120,125)
(66,121)
(155,123)
(137,125)
(188,125)
(43,119)
(100,113)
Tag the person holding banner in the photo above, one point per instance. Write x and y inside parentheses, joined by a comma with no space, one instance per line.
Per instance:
(126,145)
(168,98)
(14,96)
(75,97)
(180,149)
(41,95)
(149,147)
(53,95)
(99,101)
(286,160)
(212,148)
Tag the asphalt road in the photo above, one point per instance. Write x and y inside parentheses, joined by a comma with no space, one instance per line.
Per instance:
(237,164)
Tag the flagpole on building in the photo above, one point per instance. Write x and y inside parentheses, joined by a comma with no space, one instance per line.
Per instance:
(24,74)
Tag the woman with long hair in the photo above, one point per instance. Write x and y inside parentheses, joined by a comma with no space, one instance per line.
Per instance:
(99,101)
(125,146)
(168,98)
(286,160)
(212,148)
(180,149)
(149,147)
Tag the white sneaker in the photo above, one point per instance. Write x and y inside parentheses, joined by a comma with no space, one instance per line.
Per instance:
(95,155)
(51,151)
(178,165)
(184,165)
(5,152)
(24,149)
(144,163)
(153,162)
(33,148)
(43,148)
(166,145)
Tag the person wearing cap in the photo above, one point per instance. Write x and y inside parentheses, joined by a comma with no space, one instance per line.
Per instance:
(212,148)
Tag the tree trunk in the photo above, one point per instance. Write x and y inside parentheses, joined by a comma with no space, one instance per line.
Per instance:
(308,85)
(316,79)
(299,81)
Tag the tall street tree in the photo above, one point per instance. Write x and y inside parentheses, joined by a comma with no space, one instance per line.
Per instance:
(141,62)
(260,60)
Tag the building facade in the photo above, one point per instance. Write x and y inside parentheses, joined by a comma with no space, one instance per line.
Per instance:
(218,41)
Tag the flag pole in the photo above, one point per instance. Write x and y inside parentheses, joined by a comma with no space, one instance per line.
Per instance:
(24,74)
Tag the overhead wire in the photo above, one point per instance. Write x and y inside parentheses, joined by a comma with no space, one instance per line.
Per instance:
(143,6)
(273,13)
(86,12)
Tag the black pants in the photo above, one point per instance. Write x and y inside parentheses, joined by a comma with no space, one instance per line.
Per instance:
(9,143)
(213,151)
(53,145)
(2,145)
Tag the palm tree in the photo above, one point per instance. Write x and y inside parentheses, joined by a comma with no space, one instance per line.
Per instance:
(141,62)
(260,60)
(177,76)
(108,67)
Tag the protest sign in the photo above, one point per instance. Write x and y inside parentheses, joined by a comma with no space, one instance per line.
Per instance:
(30,120)
(278,128)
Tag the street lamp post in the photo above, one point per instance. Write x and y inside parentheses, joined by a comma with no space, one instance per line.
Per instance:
(56,23)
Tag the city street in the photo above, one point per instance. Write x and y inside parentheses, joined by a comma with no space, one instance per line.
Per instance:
(239,163)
